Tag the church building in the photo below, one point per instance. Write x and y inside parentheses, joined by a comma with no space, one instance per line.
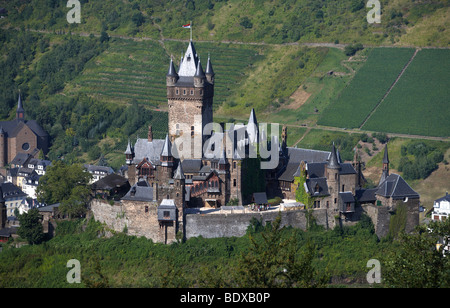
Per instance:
(21,136)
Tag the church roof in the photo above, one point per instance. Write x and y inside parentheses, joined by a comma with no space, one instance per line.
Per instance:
(167,147)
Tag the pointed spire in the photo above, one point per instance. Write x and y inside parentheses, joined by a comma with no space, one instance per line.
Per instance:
(179,174)
(333,162)
(188,65)
(209,68)
(167,147)
(20,112)
(171,72)
(222,160)
(128,151)
(385,157)
(199,72)
(252,118)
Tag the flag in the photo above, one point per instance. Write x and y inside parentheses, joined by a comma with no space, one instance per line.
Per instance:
(188,26)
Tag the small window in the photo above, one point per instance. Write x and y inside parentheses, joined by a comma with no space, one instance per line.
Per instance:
(184,91)
(177,91)
(26,146)
(146,209)
(234,182)
(192,92)
(166,214)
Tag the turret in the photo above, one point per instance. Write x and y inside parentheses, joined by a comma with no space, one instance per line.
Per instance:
(199,77)
(166,153)
(209,72)
(129,154)
(171,76)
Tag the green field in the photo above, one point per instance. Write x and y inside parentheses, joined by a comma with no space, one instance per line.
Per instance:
(367,88)
(419,102)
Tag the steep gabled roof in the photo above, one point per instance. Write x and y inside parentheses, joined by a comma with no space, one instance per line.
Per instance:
(188,66)
(395,187)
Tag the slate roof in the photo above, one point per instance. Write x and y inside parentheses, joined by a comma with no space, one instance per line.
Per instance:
(445,198)
(346,196)
(188,66)
(311,156)
(318,169)
(11,191)
(366,195)
(148,149)
(191,165)
(13,127)
(395,187)
(109,182)
(320,183)
(260,198)
(141,191)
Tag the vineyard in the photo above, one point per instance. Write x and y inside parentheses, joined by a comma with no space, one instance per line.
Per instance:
(418,104)
(127,71)
(367,88)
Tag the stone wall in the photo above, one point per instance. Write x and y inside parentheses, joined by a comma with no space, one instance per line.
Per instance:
(138,218)
(229,225)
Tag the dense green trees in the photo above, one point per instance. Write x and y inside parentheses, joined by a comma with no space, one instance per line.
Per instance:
(419,160)
(419,262)
(65,184)
(31,227)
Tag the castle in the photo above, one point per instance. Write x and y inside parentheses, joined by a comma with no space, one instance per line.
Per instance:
(168,179)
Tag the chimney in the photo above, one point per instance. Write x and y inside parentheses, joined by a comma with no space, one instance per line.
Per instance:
(150,134)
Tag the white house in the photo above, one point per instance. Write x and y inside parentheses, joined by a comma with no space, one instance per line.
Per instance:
(441,208)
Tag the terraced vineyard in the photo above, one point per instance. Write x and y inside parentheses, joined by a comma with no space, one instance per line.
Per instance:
(130,70)
(367,88)
(419,102)
(127,71)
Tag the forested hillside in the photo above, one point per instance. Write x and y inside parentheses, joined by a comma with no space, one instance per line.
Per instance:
(283,21)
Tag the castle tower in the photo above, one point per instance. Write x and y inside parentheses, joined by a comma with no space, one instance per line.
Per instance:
(129,156)
(190,95)
(20,112)
(166,159)
(332,169)
(3,217)
(385,172)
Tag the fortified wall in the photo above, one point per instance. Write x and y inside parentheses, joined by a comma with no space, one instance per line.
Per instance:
(139,222)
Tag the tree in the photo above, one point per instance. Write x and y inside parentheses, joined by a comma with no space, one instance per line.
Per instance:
(418,263)
(275,261)
(31,226)
(65,184)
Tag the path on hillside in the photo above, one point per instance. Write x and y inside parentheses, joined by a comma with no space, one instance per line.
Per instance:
(389,90)
(162,39)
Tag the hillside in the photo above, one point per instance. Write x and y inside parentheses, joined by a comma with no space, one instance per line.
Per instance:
(420,23)
(100,91)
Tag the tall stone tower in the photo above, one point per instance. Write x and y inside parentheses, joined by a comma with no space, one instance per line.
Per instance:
(3,216)
(190,95)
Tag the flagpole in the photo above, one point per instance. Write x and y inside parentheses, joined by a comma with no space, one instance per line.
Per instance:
(191,30)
